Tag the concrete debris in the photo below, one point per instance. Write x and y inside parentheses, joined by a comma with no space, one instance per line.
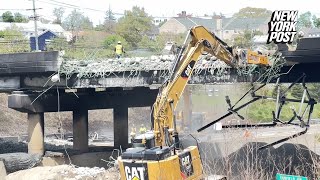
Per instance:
(93,68)
(65,172)
(18,161)
(87,172)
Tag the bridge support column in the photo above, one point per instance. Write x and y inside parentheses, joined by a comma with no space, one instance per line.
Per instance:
(36,133)
(120,126)
(80,130)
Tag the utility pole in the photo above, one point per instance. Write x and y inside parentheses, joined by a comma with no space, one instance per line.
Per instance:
(35,25)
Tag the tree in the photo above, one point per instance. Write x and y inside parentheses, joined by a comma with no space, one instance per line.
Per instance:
(19,18)
(76,22)
(7,17)
(305,20)
(134,25)
(156,45)
(111,41)
(58,13)
(313,88)
(244,40)
(13,41)
(110,15)
(250,12)
(109,21)
(316,21)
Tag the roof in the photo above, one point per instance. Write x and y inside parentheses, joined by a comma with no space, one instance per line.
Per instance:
(42,33)
(311,32)
(227,23)
(189,22)
(243,23)
(29,26)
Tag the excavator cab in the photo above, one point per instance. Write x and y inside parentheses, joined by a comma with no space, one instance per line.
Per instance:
(254,57)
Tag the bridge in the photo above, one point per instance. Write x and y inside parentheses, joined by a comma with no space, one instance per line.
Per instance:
(41,82)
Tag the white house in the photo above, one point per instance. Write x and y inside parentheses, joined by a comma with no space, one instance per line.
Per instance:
(28,28)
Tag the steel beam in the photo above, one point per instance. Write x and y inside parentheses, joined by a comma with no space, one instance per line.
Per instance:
(48,102)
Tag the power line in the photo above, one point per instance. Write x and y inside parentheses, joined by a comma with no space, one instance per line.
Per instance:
(13,9)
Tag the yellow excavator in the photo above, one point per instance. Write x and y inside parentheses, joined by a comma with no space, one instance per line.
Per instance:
(156,154)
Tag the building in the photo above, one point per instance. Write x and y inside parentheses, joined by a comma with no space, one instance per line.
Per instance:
(310,32)
(158,20)
(225,28)
(232,27)
(179,25)
(43,39)
(27,29)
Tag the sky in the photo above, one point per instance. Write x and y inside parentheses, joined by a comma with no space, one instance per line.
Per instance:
(156,8)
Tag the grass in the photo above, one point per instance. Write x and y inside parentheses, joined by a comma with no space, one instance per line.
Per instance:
(259,111)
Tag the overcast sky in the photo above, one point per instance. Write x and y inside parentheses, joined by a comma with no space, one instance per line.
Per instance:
(166,8)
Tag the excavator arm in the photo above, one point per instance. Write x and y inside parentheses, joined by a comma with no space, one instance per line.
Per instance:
(156,154)
(202,42)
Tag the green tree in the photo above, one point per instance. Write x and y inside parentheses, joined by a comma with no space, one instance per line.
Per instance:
(111,41)
(156,45)
(19,18)
(313,88)
(58,13)
(316,22)
(13,41)
(109,21)
(76,22)
(134,25)
(250,12)
(7,17)
(296,91)
(305,20)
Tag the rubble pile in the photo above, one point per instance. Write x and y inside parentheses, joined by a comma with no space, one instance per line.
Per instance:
(105,67)
(66,172)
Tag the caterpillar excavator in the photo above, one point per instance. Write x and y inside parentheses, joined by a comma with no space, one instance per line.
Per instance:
(157,154)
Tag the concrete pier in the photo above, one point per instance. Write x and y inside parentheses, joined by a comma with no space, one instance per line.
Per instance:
(120,126)
(80,130)
(36,133)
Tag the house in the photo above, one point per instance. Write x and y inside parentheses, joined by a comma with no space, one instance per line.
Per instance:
(158,20)
(43,39)
(27,29)
(232,27)
(310,32)
(225,28)
(179,25)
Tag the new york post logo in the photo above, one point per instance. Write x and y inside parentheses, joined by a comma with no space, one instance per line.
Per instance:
(282,27)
